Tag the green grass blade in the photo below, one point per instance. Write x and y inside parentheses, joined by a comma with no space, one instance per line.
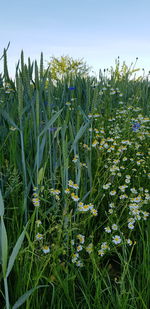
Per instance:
(50,122)
(25,296)
(6,116)
(79,134)
(1,205)
(15,253)
(4,246)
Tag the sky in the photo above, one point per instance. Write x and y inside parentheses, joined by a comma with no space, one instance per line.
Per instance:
(95,30)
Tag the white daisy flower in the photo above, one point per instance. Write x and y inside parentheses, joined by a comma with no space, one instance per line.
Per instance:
(116,239)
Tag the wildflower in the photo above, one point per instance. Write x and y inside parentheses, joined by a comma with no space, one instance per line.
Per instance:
(105,187)
(129,242)
(147,196)
(116,161)
(52,129)
(96,116)
(122,188)
(130,226)
(114,227)
(81,238)
(71,88)
(72,242)
(39,236)
(113,192)
(131,220)
(67,191)
(104,246)
(85,146)
(122,167)
(89,248)
(133,190)
(128,177)
(145,215)
(91,206)
(35,189)
(45,249)
(84,165)
(79,248)
(126,142)
(141,189)
(68,103)
(38,222)
(107,229)
(94,212)
(57,197)
(55,193)
(105,145)
(75,257)
(116,239)
(136,199)
(101,252)
(127,180)
(80,204)
(75,197)
(123,196)
(95,143)
(79,263)
(75,186)
(136,127)
(111,205)
(36,201)
(75,159)
(114,168)
(70,183)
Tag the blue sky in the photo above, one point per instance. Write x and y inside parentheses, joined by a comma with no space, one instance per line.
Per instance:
(98,31)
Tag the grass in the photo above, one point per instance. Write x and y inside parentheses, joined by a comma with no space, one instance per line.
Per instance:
(74,179)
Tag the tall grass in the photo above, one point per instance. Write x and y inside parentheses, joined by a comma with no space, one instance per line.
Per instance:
(83,139)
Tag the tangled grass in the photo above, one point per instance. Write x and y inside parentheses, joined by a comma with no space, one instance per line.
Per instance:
(75,191)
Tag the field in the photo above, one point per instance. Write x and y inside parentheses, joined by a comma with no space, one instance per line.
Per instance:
(75,190)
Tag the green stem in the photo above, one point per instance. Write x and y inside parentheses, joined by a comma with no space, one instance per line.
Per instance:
(24,174)
(6,293)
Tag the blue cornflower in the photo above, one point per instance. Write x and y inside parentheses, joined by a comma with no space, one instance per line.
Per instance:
(52,129)
(136,127)
(71,88)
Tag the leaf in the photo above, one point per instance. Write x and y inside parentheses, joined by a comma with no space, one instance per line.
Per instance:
(1,205)
(41,175)
(25,296)
(41,151)
(4,246)
(50,122)
(57,131)
(6,116)
(15,252)
(79,134)
(83,113)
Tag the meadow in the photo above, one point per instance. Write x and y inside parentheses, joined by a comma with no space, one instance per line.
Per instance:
(74,190)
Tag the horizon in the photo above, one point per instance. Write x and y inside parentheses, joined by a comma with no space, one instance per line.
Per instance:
(141,71)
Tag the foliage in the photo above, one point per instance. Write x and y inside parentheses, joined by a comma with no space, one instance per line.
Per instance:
(65,65)
(75,166)
(123,72)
